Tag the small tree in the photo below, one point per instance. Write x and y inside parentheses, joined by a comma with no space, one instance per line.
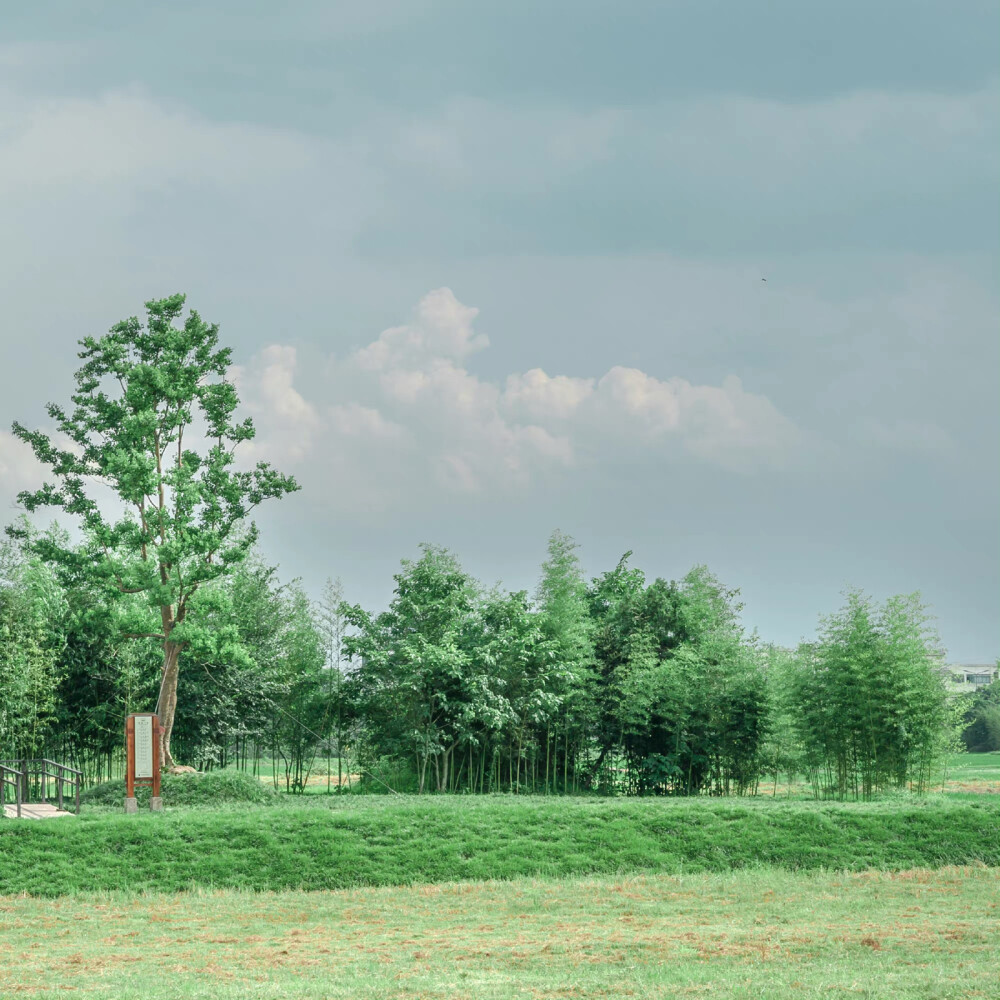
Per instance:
(332,625)
(142,394)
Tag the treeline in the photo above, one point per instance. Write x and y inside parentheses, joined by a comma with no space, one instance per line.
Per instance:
(256,683)
(617,685)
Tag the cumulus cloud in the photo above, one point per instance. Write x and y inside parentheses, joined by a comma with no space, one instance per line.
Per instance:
(538,396)
(405,416)
(441,332)
(291,422)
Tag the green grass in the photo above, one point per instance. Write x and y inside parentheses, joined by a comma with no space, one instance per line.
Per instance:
(188,790)
(976,769)
(400,840)
(914,935)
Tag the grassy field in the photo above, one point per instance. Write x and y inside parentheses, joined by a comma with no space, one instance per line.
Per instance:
(776,934)
(977,773)
(335,843)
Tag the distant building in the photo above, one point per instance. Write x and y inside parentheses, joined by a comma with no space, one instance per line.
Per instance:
(962,678)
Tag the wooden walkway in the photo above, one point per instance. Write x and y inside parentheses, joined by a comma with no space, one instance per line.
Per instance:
(38,778)
(35,810)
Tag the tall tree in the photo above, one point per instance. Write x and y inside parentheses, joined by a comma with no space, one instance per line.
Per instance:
(415,671)
(32,609)
(332,625)
(565,622)
(143,394)
(873,709)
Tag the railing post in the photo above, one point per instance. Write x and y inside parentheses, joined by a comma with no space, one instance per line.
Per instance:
(20,774)
(10,776)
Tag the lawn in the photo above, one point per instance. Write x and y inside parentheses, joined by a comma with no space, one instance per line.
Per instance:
(765,933)
(339,843)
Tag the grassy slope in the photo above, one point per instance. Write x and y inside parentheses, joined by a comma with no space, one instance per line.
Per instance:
(400,840)
(774,934)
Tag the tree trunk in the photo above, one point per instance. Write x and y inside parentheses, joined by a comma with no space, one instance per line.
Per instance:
(166,704)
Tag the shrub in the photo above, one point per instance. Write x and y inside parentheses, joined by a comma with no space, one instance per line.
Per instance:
(187,790)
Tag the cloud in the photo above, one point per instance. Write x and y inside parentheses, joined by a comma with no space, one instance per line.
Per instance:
(403,417)
(352,420)
(19,469)
(724,425)
(126,137)
(269,392)
(442,330)
(536,395)
(123,189)
(866,169)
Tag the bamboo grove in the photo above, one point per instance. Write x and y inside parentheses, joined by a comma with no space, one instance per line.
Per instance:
(616,686)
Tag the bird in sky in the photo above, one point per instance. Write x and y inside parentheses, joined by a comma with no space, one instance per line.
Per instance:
(763,279)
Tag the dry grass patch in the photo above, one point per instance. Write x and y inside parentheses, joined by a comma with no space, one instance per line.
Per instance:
(927,934)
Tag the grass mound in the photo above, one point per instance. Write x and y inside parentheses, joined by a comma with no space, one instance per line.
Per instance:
(209,789)
(406,840)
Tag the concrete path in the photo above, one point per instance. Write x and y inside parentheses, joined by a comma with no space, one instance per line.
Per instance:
(35,810)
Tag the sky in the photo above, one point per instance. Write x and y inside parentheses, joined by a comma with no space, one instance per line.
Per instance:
(490,270)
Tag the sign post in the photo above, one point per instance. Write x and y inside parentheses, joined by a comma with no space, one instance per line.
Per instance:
(142,758)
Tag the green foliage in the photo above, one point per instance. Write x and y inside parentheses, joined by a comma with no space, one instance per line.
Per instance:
(32,612)
(144,395)
(419,683)
(981,719)
(204,790)
(621,687)
(683,694)
(406,840)
(873,711)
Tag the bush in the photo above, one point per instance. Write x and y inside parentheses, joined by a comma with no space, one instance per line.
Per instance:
(208,789)
(982,720)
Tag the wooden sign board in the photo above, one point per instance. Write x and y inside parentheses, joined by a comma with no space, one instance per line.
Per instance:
(142,757)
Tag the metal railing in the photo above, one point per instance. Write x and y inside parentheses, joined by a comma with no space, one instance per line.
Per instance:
(40,779)
(10,776)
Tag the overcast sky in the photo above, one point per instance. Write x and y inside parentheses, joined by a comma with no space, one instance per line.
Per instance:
(491,270)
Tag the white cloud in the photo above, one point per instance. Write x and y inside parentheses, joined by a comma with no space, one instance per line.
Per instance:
(19,469)
(286,422)
(125,137)
(723,425)
(275,385)
(442,329)
(405,416)
(355,420)
(535,395)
